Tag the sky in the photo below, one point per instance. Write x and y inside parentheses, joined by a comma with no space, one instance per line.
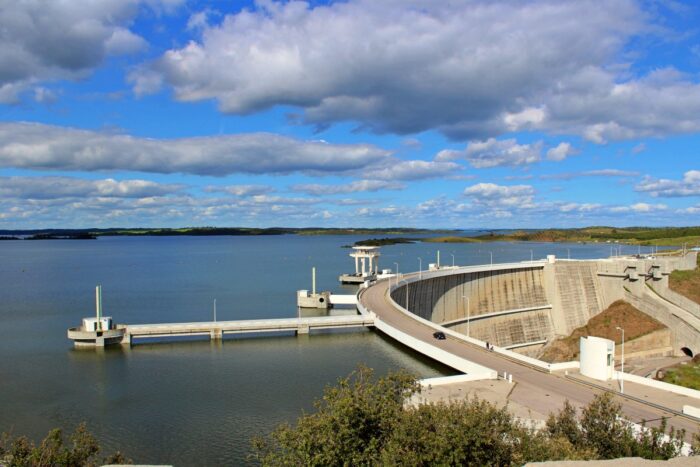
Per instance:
(471,114)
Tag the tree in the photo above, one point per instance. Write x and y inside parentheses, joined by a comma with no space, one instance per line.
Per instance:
(352,423)
(366,421)
(53,452)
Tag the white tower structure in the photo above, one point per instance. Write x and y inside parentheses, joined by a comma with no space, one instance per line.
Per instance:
(366,265)
(366,256)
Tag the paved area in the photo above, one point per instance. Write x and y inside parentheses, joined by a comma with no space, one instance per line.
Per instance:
(497,392)
(648,366)
(540,392)
(657,396)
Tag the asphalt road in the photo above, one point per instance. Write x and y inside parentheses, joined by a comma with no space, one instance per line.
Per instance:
(542,392)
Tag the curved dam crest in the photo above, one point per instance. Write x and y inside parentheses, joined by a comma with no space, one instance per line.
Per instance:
(523,307)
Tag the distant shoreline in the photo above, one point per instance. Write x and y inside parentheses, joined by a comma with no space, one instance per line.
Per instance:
(646,236)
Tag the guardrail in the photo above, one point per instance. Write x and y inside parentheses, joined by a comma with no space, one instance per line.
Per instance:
(505,353)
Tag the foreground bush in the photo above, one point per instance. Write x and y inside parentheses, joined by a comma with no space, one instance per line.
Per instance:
(82,450)
(364,421)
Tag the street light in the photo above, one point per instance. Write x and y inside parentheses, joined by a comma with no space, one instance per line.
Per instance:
(215,310)
(622,370)
(405,285)
(420,268)
(468,316)
(397,274)
(491,253)
(532,256)
(453,259)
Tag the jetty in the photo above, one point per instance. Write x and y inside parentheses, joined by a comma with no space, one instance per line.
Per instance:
(101,331)
(217,329)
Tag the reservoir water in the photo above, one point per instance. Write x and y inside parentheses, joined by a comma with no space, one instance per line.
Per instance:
(192,402)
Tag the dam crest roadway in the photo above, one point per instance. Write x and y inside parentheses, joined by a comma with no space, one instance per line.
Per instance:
(555,297)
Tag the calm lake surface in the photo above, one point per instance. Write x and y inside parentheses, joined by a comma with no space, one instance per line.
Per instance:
(192,402)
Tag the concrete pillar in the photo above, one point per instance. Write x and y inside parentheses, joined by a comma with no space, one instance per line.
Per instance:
(371,268)
(126,340)
(303,329)
(357,265)
(216,334)
(362,260)
(100,341)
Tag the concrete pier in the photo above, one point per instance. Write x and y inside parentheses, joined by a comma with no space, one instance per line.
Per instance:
(216,329)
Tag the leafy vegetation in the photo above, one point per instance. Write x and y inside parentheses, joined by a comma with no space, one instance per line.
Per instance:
(82,449)
(665,236)
(687,374)
(452,240)
(365,421)
(385,241)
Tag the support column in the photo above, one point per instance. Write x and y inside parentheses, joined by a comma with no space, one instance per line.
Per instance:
(363,265)
(303,329)
(216,334)
(357,265)
(371,267)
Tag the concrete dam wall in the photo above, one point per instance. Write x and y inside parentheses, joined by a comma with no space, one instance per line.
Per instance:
(507,307)
(524,306)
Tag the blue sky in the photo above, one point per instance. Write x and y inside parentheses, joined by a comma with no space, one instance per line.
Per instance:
(462,114)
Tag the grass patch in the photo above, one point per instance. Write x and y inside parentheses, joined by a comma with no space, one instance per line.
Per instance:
(635,323)
(686,283)
(687,375)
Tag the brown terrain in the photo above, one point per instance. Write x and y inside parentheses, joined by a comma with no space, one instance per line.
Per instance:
(686,283)
(620,313)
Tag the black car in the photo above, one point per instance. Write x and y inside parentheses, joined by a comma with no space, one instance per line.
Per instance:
(439,335)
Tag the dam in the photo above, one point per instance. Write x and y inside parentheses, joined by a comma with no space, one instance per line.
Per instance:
(523,306)
(490,322)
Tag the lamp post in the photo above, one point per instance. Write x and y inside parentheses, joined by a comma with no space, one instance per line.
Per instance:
(568,253)
(420,268)
(532,256)
(405,285)
(453,259)
(468,316)
(215,310)
(397,274)
(491,253)
(622,369)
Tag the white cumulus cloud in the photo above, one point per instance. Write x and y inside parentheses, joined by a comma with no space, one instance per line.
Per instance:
(492,195)
(39,146)
(51,40)
(560,152)
(688,186)
(344,188)
(495,153)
